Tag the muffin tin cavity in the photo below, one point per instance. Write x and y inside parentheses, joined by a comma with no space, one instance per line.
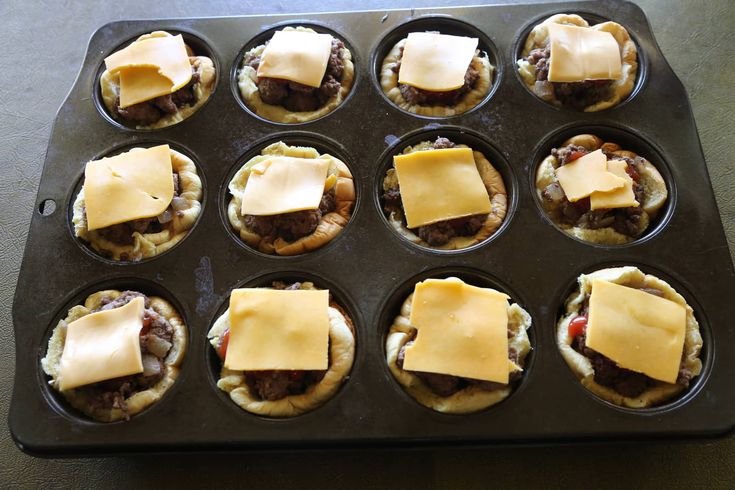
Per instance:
(457,135)
(442,24)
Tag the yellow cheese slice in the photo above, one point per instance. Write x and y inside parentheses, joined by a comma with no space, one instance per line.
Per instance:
(149,68)
(102,345)
(438,185)
(639,331)
(462,331)
(297,56)
(622,197)
(284,185)
(581,53)
(276,329)
(132,185)
(586,175)
(436,62)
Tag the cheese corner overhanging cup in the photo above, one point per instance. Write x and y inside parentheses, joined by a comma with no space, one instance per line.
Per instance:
(117,354)
(156,81)
(630,338)
(569,63)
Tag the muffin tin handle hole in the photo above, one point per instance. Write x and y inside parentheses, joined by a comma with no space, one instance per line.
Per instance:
(47,207)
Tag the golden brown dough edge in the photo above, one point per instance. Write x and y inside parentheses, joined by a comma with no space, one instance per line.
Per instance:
(653,183)
(389,85)
(582,367)
(496,190)
(149,244)
(246,82)
(539,38)
(110,88)
(138,402)
(469,399)
(329,226)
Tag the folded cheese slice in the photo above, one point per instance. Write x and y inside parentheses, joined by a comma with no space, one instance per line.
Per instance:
(438,185)
(278,329)
(150,68)
(282,184)
(462,331)
(436,62)
(581,53)
(622,197)
(586,175)
(102,345)
(297,56)
(133,185)
(639,331)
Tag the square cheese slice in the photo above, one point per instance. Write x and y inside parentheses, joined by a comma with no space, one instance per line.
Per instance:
(284,184)
(278,329)
(586,175)
(436,62)
(438,185)
(581,53)
(297,56)
(102,345)
(150,68)
(637,330)
(622,197)
(133,185)
(462,331)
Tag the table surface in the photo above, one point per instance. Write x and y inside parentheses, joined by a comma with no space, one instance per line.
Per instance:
(45,43)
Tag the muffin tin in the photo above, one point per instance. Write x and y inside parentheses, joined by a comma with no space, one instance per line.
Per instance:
(370,267)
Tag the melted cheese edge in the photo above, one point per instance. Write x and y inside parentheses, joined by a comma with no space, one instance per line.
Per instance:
(622,197)
(297,56)
(581,53)
(436,62)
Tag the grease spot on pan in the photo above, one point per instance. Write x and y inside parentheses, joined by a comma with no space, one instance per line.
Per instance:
(204,285)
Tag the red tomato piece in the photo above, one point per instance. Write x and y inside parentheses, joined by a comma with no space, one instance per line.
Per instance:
(577,326)
(223,343)
(575,155)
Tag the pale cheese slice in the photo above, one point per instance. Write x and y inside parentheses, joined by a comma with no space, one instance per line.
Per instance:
(436,62)
(581,53)
(102,345)
(622,197)
(462,331)
(297,56)
(586,175)
(150,68)
(282,184)
(639,331)
(133,185)
(278,329)
(438,185)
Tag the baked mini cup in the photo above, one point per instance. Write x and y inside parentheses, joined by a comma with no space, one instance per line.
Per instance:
(602,226)
(601,375)
(148,237)
(452,394)
(590,95)
(478,81)
(296,232)
(290,102)
(163,343)
(284,393)
(165,110)
(453,234)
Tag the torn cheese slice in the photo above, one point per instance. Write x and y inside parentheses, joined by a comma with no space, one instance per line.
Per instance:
(581,53)
(639,331)
(462,331)
(436,62)
(622,197)
(297,56)
(150,68)
(277,329)
(438,185)
(586,175)
(133,185)
(282,184)
(102,345)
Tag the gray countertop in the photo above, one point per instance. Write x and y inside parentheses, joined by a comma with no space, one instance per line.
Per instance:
(45,43)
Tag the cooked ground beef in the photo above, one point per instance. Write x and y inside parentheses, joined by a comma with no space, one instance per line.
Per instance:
(156,339)
(150,111)
(297,97)
(577,95)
